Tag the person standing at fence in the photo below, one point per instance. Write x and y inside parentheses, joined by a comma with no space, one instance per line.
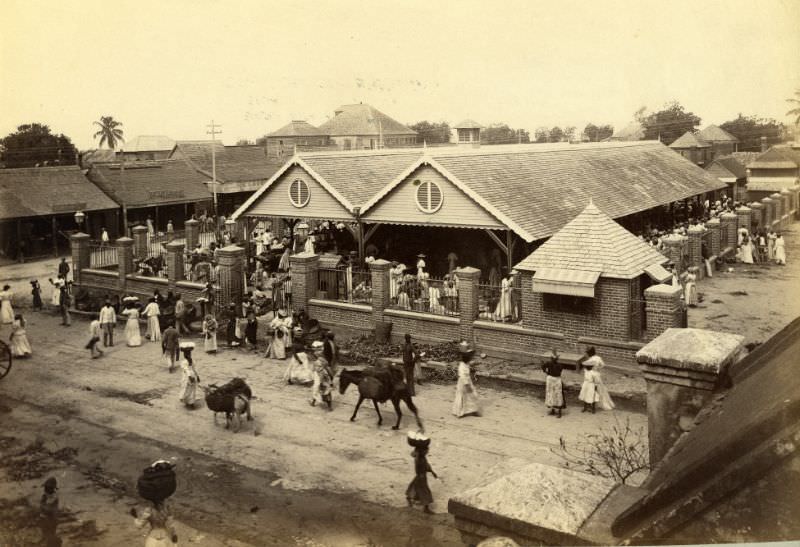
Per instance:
(170,231)
(503,310)
(151,312)
(276,287)
(287,291)
(771,237)
(151,230)
(706,254)
(108,320)
(690,289)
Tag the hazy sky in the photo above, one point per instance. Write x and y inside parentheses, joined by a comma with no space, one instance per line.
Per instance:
(169,67)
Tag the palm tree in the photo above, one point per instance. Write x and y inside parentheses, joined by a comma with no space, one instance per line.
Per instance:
(108,131)
(795,111)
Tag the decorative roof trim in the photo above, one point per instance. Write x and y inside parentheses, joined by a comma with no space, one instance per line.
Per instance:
(428,160)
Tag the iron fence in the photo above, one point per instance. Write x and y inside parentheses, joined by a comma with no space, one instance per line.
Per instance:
(343,285)
(102,255)
(500,304)
(427,295)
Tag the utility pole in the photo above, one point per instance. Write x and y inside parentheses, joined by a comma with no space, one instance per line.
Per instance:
(213,132)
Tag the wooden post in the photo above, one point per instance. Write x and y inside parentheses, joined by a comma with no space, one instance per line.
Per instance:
(55,237)
(509,250)
(156,221)
(20,253)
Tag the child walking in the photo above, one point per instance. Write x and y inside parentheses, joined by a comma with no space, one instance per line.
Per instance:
(419,491)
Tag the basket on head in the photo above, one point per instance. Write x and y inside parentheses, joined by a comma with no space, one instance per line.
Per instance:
(157,481)
(418,440)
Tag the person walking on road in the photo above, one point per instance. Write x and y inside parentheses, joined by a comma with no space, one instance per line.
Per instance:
(108,320)
(323,377)
(151,312)
(36,293)
(554,387)
(94,337)
(6,310)
(170,342)
(20,347)
(418,490)
(780,250)
(133,335)
(593,390)
(466,400)
(210,341)
(49,512)
(190,378)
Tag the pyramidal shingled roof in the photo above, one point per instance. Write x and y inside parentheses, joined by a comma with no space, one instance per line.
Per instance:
(297,128)
(363,119)
(689,140)
(593,242)
(714,133)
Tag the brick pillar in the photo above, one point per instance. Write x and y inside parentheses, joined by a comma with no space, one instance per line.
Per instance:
(231,276)
(664,309)
(695,235)
(714,227)
(192,228)
(468,278)
(304,270)
(769,213)
(125,261)
(729,238)
(379,270)
(673,249)
(743,218)
(777,218)
(81,255)
(140,241)
(756,215)
(680,380)
(786,198)
(175,263)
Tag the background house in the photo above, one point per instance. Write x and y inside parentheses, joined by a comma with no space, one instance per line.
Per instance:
(721,141)
(145,147)
(693,148)
(295,135)
(363,127)
(772,171)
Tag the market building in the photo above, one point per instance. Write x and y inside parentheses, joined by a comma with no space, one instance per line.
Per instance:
(38,207)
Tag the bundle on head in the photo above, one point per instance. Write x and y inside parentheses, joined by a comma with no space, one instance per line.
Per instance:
(157,482)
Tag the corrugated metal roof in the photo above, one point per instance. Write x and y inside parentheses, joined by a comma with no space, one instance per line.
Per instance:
(714,133)
(363,119)
(40,191)
(727,167)
(770,184)
(593,242)
(689,140)
(143,184)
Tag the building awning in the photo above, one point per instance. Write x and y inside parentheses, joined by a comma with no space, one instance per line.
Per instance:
(561,281)
(658,273)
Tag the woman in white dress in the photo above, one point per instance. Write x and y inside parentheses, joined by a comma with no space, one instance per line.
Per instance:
(466,400)
(20,347)
(690,289)
(771,237)
(6,311)
(434,298)
(420,266)
(503,309)
(780,250)
(210,327)
(151,312)
(280,333)
(189,376)
(133,335)
(593,390)
(299,370)
(55,298)
(394,276)
(747,250)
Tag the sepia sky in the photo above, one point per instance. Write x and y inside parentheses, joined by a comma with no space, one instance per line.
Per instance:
(169,67)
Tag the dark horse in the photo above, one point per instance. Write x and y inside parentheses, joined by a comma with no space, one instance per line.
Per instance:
(380,384)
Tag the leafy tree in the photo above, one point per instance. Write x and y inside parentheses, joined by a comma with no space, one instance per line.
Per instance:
(109,131)
(244,142)
(556,134)
(432,133)
(795,101)
(501,133)
(542,134)
(596,133)
(668,124)
(569,133)
(33,144)
(750,129)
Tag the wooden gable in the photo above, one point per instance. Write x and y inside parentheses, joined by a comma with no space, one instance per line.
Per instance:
(401,205)
(275,200)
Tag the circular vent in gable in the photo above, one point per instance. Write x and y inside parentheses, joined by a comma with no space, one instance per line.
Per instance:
(299,193)
(428,195)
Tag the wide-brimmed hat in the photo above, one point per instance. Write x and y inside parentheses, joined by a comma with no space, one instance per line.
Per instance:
(131,299)
(464,349)
(187,346)
(421,255)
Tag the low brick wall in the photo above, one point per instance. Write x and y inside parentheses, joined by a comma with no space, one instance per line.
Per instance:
(422,326)
(333,314)
(143,287)
(99,282)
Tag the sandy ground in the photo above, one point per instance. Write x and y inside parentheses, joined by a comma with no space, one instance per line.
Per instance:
(753,300)
(314,477)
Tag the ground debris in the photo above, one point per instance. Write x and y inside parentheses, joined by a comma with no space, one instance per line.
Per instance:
(738,293)
(97,475)
(33,461)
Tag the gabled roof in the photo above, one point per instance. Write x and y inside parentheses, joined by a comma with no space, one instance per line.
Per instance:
(297,128)
(736,440)
(631,132)
(689,140)
(714,133)
(102,155)
(147,143)
(363,119)
(39,191)
(593,242)
(147,183)
(727,167)
(234,163)
(468,124)
(777,157)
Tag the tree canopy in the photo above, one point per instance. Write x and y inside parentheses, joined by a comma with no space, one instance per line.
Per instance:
(750,129)
(501,133)
(596,133)
(795,101)
(33,144)
(556,134)
(110,132)
(542,134)
(432,133)
(668,124)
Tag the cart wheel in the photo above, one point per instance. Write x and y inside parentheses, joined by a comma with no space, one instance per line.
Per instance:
(5,359)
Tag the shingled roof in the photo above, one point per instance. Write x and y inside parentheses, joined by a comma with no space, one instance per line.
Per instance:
(148,183)
(467,124)
(147,143)
(689,140)
(363,119)
(714,133)
(777,157)
(298,128)
(593,242)
(727,167)
(41,191)
(234,164)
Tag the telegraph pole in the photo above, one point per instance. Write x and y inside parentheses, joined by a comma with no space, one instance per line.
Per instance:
(214,132)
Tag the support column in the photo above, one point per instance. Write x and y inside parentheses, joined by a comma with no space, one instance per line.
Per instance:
(468,278)
(175,269)
(231,281)
(769,213)
(81,255)
(379,270)
(695,236)
(743,218)
(714,227)
(680,380)
(786,198)
(756,215)
(192,229)
(779,212)
(729,223)
(304,269)
(140,242)
(673,248)
(664,309)
(125,262)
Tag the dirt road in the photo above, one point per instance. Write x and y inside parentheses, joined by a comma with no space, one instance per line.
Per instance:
(298,475)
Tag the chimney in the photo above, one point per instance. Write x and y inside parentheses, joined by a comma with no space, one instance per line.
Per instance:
(763,144)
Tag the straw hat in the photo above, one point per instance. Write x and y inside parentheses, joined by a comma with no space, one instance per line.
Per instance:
(464,349)
(187,345)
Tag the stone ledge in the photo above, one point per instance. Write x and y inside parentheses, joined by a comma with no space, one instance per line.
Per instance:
(341,305)
(514,328)
(422,316)
(157,280)
(101,273)
(610,343)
